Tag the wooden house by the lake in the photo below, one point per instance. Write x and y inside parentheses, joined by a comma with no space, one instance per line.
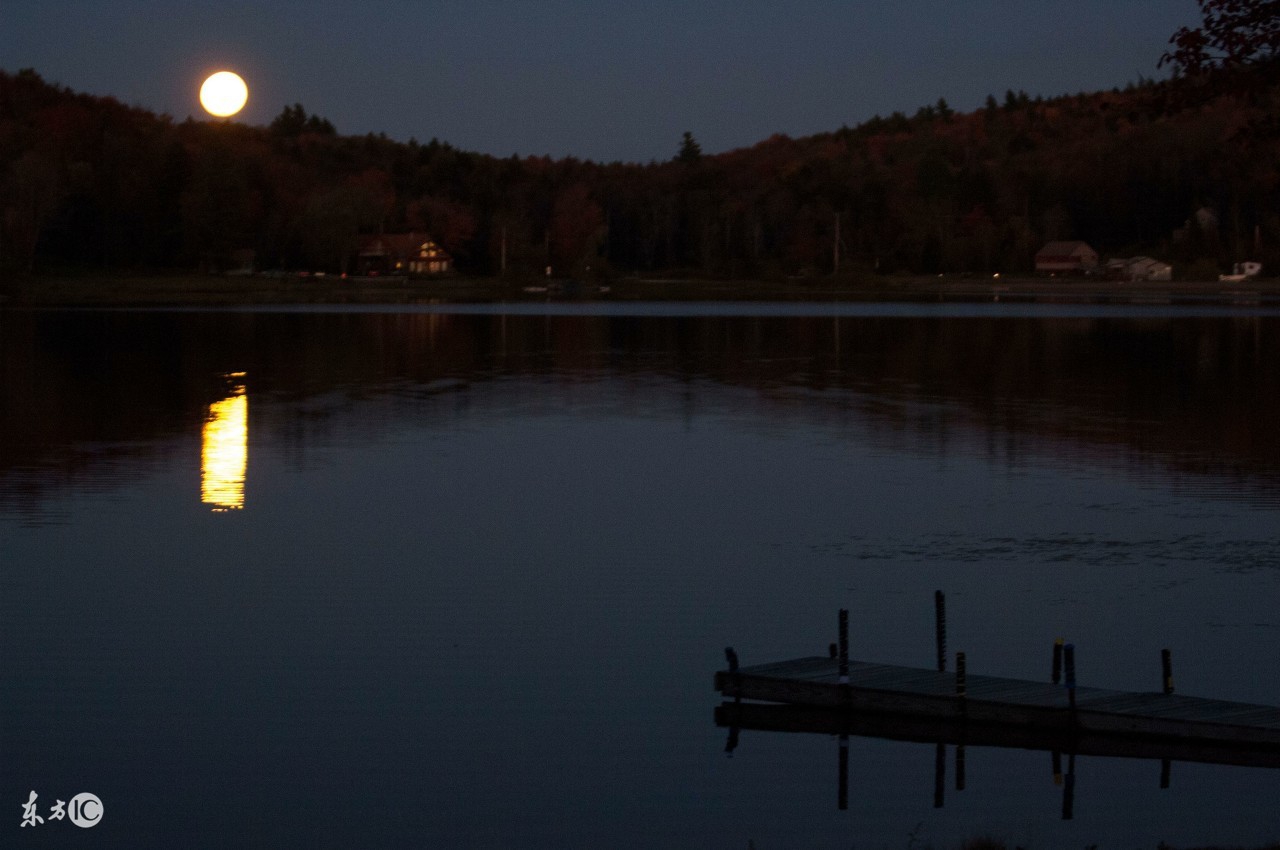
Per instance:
(1066,258)
(401,254)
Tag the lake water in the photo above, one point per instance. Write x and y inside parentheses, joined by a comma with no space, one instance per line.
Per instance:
(461,576)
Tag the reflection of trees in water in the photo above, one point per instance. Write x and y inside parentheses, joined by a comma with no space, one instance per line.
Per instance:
(108,396)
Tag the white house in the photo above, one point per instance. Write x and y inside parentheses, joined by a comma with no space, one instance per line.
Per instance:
(1138,268)
(1145,268)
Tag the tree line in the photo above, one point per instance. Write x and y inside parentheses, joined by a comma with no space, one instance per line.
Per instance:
(1184,169)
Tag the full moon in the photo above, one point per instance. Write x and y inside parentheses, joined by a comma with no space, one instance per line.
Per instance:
(224,94)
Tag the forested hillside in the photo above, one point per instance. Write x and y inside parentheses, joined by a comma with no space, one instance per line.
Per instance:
(1172,169)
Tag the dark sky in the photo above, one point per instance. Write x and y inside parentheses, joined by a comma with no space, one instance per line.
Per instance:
(604,81)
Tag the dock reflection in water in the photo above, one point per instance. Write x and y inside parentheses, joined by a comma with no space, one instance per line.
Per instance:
(224,452)
(737,716)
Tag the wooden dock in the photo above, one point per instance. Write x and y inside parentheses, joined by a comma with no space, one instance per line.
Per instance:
(993,701)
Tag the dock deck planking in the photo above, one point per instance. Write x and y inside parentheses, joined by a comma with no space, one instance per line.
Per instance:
(814,681)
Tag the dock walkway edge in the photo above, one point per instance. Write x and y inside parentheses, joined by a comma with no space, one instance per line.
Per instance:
(914,692)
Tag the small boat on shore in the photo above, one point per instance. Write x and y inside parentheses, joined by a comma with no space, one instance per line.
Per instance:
(1240,272)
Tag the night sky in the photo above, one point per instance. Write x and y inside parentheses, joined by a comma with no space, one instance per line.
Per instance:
(602,81)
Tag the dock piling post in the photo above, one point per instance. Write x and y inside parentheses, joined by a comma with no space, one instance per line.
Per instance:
(961,683)
(1057,661)
(735,680)
(1069,789)
(940,617)
(959,767)
(1166,663)
(1166,767)
(1069,661)
(844,646)
(939,775)
(842,790)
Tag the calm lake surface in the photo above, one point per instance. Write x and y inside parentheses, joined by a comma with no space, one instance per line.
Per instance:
(461,576)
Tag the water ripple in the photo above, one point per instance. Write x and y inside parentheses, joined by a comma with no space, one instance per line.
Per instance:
(1230,555)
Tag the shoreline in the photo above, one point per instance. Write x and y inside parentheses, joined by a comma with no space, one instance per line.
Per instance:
(216,290)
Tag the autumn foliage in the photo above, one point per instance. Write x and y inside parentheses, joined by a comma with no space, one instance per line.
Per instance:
(88,183)
(1233,34)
